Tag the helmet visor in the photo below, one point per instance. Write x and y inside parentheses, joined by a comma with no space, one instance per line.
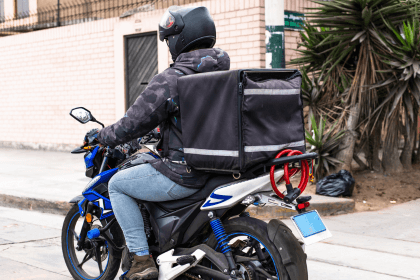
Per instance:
(168,20)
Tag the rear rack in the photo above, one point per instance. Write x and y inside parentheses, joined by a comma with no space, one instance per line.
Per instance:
(250,174)
(291,159)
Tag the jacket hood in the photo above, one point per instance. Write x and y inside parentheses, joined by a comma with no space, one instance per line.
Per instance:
(204,60)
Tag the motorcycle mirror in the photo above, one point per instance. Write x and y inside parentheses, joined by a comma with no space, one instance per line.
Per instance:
(81,114)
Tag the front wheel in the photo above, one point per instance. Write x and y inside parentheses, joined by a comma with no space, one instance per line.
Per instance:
(248,237)
(97,261)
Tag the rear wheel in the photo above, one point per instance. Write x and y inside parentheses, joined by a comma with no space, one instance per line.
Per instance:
(97,262)
(248,237)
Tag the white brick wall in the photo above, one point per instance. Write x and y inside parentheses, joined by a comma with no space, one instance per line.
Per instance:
(46,73)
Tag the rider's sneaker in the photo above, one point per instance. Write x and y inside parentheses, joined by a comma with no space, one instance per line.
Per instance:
(143,267)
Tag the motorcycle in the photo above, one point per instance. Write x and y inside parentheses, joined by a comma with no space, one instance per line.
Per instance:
(208,235)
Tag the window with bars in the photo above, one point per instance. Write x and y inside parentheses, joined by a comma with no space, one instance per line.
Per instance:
(21,8)
(2,15)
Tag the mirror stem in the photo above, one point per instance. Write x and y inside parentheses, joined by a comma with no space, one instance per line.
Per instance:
(101,124)
(94,120)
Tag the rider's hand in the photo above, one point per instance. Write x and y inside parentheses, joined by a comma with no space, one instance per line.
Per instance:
(91,137)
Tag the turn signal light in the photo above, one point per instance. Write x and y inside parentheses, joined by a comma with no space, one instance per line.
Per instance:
(303,205)
(88,217)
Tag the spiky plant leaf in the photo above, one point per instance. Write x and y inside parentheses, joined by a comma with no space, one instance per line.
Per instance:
(325,143)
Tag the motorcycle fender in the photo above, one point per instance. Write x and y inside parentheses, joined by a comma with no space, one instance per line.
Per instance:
(77,199)
(291,252)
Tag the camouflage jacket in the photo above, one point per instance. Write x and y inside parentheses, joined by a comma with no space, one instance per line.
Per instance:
(158,105)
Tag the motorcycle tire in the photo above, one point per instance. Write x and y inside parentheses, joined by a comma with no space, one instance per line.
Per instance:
(257,230)
(69,252)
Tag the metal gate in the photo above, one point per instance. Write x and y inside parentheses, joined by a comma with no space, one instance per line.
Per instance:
(141,64)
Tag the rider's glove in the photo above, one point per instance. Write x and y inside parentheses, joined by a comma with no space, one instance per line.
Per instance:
(91,137)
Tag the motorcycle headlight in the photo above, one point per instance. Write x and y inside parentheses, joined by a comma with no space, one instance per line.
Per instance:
(92,183)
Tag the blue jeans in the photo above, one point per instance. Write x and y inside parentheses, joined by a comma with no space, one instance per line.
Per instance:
(145,183)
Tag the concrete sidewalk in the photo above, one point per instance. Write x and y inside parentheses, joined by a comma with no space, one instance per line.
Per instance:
(380,245)
(40,180)
(373,245)
(46,181)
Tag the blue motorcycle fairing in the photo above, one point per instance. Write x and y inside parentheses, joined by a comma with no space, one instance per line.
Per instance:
(90,156)
(99,200)
(104,177)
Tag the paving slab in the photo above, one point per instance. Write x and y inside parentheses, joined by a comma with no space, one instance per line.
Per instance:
(17,232)
(40,253)
(399,222)
(379,244)
(323,271)
(33,217)
(366,260)
(33,250)
(16,270)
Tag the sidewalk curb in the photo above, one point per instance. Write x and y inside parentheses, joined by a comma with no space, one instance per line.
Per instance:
(326,207)
(40,205)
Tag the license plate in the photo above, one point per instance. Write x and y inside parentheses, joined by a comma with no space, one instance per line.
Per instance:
(310,227)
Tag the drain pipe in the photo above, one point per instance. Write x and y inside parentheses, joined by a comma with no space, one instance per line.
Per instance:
(274,34)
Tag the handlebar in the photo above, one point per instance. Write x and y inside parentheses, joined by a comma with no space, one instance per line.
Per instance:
(112,157)
(79,150)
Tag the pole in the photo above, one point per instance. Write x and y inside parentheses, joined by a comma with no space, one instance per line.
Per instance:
(58,12)
(274,34)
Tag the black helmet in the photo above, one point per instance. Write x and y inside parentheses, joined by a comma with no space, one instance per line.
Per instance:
(186,28)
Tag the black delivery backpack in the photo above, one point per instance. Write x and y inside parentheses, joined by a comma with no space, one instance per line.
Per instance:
(233,120)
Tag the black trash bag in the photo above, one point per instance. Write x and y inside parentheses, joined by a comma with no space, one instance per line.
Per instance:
(341,183)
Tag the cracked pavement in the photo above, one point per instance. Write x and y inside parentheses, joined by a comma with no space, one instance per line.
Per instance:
(30,245)
(381,245)
(376,245)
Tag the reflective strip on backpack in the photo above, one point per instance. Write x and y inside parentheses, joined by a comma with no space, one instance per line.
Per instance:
(271,148)
(262,91)
(205,152)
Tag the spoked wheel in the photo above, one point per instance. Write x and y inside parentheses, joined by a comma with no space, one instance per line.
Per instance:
(248,237)
(96,260)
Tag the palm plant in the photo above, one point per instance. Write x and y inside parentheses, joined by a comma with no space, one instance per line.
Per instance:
(402,55)
(346,49)
(326,144)
(317,101)
(311,95)
(314,47)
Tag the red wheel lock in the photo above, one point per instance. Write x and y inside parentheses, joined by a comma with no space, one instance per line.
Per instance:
(289,173)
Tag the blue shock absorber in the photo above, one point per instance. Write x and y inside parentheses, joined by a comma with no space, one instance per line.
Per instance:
(220,233)
(223,243)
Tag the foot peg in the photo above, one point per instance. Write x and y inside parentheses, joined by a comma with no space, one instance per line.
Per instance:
(167,260)
(186,259)
(303,199)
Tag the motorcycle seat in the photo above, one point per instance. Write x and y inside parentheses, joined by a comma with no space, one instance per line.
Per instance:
(202,194)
